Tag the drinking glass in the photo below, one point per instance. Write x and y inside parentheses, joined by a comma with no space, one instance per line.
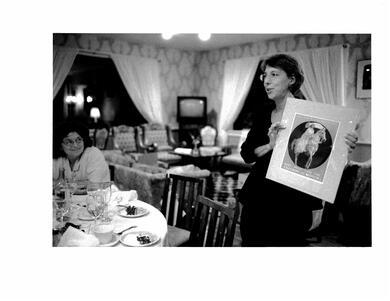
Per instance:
(62,207)
(95,206)
(102,189)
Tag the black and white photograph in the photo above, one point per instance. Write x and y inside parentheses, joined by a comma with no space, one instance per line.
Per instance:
(312,149)
(209,150)
(309,146)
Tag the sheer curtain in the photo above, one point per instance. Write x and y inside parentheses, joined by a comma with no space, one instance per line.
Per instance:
(238,77)
(141,78)
(63,59)
(325,71)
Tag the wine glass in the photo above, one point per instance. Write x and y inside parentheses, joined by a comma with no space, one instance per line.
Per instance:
(62,207)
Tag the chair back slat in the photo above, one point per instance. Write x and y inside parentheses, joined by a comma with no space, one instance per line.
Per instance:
(211,228)
(178,199)
(204,215)
(220,227)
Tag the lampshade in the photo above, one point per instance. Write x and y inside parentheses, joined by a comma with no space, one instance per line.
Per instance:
(95,113)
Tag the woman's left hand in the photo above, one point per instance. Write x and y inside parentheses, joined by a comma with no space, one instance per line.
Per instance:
(351,139)
(273,132)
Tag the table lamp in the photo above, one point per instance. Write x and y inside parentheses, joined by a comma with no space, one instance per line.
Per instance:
(95,114)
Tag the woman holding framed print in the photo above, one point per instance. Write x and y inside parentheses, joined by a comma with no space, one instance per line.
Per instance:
(274,214)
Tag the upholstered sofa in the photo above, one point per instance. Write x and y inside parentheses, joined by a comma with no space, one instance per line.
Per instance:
(147,180)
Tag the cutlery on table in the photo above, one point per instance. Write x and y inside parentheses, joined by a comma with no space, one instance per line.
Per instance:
(121,232)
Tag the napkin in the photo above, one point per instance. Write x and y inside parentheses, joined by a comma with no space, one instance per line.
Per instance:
(76,238)
(127,197)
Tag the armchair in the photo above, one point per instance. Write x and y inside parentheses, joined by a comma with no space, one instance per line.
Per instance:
(161,137)
(126,138)
(208,136)
(158,134)
(147,180)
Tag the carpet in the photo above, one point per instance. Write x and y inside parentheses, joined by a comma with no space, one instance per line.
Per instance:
(221,188)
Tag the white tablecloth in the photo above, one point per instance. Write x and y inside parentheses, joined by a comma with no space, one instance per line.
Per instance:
(153,222)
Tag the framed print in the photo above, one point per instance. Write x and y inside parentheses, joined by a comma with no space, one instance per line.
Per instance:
(310,153)
(363,81)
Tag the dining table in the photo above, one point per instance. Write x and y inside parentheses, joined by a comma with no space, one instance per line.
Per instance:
(150,220)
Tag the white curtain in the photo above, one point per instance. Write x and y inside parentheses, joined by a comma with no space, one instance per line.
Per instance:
(325,71)
(238,77)
(63,59)
(141,78)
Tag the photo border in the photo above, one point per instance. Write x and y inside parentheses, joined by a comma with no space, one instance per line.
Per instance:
(327,189)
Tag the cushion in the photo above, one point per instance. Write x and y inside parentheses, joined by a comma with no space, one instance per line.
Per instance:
(177,236)
(156,136)
(125,141)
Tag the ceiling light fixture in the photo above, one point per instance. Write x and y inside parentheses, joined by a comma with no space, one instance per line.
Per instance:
(204,36)
(167,36)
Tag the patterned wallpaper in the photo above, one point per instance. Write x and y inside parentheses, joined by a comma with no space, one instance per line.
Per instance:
(201,73)
(209,73)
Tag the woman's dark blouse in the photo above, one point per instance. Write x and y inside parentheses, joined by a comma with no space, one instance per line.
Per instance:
(267,202)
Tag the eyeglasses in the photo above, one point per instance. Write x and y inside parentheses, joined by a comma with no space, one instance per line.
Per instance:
(68,142)
(272,76)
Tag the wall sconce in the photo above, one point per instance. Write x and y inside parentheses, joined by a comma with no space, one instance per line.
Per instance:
(95,114)
(204,36)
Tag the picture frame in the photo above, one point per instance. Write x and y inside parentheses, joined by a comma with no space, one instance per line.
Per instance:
(293,161)
(363,79)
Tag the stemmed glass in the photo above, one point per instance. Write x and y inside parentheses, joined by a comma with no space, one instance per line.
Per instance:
(62,207)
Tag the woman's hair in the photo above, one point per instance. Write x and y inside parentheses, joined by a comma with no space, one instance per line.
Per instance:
(289,65)
(63,130)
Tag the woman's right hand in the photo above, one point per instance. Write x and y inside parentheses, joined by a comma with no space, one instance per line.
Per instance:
(262,150)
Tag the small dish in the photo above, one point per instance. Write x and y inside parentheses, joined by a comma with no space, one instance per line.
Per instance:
(130,238)
(115,239)
(85,216)
(139,212)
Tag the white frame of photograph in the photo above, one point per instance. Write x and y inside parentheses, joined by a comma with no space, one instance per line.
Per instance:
(320,176)
(360,92)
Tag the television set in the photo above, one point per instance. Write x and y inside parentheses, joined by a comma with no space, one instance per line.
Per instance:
(192,109)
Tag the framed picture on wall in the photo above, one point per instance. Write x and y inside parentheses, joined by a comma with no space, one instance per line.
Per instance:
(310,153)
(363,81)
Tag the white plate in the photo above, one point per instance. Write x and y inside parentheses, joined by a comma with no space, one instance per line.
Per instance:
(114,241)
(130,238)
(139,212)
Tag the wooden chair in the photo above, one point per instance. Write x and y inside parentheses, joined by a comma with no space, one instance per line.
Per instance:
(177,206)
(214,224)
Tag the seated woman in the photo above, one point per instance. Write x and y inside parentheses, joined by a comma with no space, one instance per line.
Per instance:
(73,152)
